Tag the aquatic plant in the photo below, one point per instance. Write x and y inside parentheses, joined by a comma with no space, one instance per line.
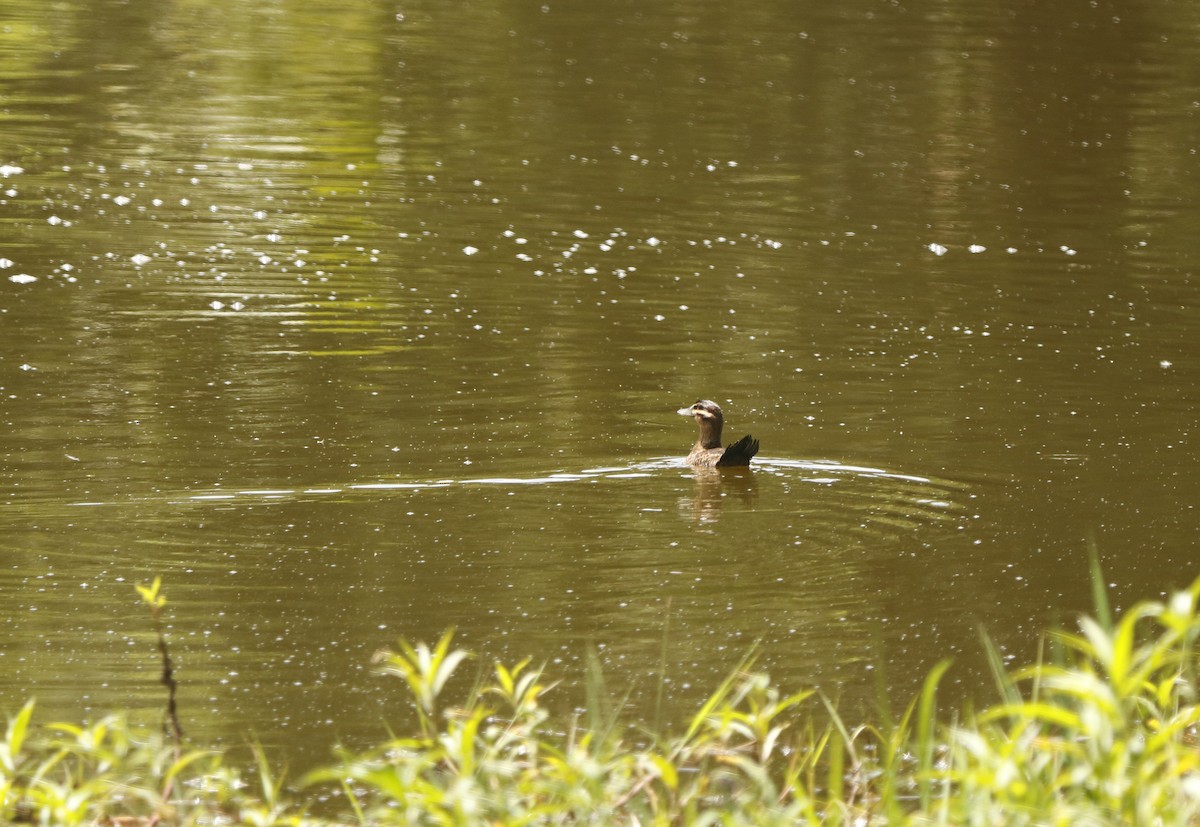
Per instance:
(1103,733)
(1101,730)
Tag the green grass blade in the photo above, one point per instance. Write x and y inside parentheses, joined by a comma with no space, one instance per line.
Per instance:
(926,730)
(1000,674)
(1099,588)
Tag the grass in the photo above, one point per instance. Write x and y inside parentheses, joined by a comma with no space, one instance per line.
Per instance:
(1101,731)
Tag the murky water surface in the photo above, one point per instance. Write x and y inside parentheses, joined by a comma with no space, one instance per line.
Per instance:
(356,321)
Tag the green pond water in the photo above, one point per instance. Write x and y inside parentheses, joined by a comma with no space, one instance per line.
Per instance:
(357,321)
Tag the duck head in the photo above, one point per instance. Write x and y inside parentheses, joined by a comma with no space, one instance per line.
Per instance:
(708,416)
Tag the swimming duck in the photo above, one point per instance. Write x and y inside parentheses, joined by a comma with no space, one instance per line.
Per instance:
(707,452)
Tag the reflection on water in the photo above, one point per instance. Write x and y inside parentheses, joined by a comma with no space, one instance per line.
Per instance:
(712,486)
(319,317)
(710,480)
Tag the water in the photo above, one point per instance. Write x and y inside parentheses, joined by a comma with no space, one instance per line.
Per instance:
(355,323)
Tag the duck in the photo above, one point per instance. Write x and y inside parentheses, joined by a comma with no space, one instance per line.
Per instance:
(707,452)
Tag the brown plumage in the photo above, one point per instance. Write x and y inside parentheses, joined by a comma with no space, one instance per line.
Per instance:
(707,452)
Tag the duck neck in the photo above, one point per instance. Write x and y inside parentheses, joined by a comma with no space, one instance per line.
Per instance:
(710,434)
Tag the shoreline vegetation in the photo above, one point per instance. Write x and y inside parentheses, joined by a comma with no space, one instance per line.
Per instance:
(1102,730)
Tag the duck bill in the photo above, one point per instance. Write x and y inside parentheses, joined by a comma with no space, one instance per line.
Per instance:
(684,412)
